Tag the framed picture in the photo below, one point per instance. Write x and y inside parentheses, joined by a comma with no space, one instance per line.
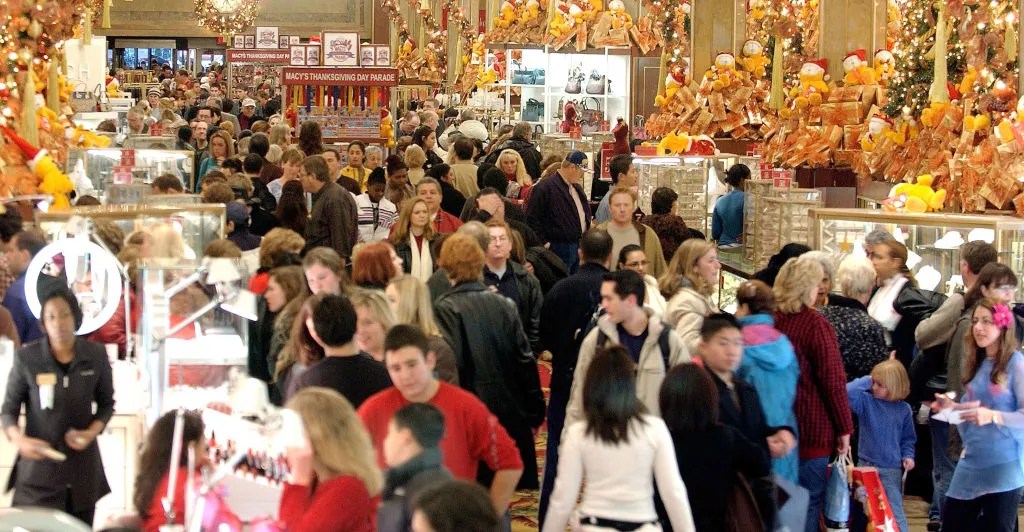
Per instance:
(382,57)
(266,37)
(312,55)
(293,39)
(238,41)
(298,55)
(250,41)
(340,48)
(367,54)
(282,42)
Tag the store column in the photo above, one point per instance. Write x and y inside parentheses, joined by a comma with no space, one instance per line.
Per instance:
(850,25)
(714,30)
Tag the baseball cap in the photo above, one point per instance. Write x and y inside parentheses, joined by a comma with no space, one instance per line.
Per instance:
(248,102)
(577,157)
(238,213)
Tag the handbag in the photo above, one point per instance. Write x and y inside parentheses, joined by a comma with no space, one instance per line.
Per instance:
(597,83)
(744,514)
(639,129)
(524,77)
(533,110)
(837,494)
(574,86)
(591,115)
(83,101)
(538,76)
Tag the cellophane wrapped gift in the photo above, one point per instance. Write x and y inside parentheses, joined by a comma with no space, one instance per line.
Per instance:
(842,113)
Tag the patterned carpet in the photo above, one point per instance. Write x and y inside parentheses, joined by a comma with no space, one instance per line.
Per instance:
(524,505)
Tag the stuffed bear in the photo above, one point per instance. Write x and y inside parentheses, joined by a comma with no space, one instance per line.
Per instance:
(885,66)
(856,70)
(919,196)
(674,81)
(878,126)
(753,60)
(506,15)
(723,73)
(812,87)
(621,20)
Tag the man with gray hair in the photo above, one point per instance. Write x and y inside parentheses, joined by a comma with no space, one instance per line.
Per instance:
(520,142)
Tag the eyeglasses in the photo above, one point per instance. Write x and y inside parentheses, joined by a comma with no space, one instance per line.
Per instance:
(637,264)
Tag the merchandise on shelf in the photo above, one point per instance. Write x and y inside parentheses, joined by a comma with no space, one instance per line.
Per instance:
(782,218)
(695,179)
(346,102)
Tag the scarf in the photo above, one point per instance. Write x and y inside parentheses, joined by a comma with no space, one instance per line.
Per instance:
(881,305)
(422,263)
(399,476)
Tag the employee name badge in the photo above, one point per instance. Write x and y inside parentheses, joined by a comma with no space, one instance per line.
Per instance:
(46,382)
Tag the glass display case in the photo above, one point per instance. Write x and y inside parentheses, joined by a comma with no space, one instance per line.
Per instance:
(99,165)
(198,224)
(780,218)
(193,333)
(697,180)
(933,239)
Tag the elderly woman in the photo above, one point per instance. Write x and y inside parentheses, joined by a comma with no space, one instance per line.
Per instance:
(861,338)
(822,408)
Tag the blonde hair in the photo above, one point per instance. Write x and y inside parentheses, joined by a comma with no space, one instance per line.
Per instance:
(375,302)
(341,445)
(415,157)
(229,143)
(796,284)
(682,267)
(413,306)
(280,135)
(292,156)
(522,177)
(166,242)
(278,241)
(402,228)
(622,189)
(241,180)
(893,376)
(274,154)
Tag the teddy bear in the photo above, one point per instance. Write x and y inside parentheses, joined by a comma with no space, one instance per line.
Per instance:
(812,87)
(506,15)
(723,73)
(674,80)
(856,69)
(51,179)
(621,20)
(753,60)
(81,137)
(885,66)
(918,196)
(570,116)
(530,11)
(387,127)
(675,143)
(878,126)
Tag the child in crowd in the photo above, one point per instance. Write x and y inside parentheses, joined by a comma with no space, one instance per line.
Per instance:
(887,437)
(413,454)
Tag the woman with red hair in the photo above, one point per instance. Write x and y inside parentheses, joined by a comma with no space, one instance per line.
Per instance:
(374,265)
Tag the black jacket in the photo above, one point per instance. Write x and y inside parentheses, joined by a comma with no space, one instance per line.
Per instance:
(261,332)
(452,201)
(495,363)
(88,379)
(530,298)
(551,211)
(913,304)
(567,308)
(526,149)
(402,484)
(404,251)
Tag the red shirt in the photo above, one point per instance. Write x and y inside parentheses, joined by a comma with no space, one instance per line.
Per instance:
(446,223)
(339,504)
(822,407)
(155,514)
(471,433)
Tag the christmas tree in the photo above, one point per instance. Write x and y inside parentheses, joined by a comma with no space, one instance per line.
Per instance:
(981,34)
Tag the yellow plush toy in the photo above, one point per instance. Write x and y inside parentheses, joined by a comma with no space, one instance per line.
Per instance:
(919,196)
(674,81)
(621,20)
(878,126)
(387,128)
(885,66)
(967,84)
(753,59)
(530,11)
(506,15)
(723,73)
(812,87)
(933,113)
(975,123)
(83,138)
(51,179)
(856,70)
(676,143)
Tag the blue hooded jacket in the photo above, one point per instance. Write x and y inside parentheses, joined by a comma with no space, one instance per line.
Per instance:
(770,365)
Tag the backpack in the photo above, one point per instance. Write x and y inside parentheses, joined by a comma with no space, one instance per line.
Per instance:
(663,343)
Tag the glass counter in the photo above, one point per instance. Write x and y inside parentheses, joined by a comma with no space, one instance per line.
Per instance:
(99,165)
(198,224)
(192,363)
(933,239)
(699,181)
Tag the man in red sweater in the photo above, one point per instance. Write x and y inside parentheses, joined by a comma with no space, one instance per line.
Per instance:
(472,433)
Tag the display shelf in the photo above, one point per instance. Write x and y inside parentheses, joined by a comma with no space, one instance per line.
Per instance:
(611,62)
(784,219)
(99,165)
(934,239)
(697,181)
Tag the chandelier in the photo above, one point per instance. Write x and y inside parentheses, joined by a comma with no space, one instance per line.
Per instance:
(226,17)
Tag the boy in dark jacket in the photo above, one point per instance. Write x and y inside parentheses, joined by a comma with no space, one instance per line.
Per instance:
(413,455)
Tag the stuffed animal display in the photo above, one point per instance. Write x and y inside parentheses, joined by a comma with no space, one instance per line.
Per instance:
(856,70)
(753,59)
(917,197)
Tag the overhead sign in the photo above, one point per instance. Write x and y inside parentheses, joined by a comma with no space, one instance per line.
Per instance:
(364,77)
(258,56)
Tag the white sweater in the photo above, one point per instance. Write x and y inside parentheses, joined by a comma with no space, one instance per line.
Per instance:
(618,477)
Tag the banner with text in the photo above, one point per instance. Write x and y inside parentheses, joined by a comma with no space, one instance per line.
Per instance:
(362,77)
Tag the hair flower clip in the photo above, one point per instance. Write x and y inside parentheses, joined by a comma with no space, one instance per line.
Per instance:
(1002,316)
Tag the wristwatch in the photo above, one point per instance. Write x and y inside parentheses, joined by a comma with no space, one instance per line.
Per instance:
(997,418)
